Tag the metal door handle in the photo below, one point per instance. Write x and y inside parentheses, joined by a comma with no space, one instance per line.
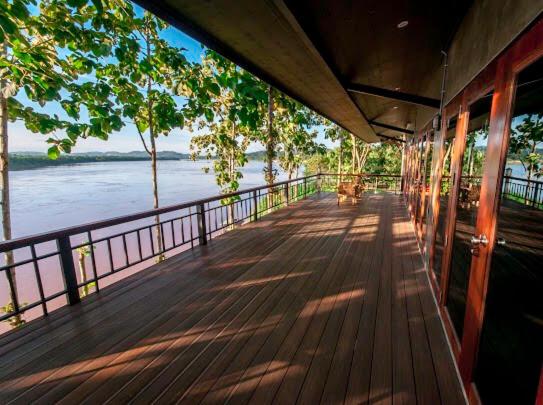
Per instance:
(481,240)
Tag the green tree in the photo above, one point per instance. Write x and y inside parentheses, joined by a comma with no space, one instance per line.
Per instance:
(225,106)
(46,59)
(297,136)
(141,74)
(526,137)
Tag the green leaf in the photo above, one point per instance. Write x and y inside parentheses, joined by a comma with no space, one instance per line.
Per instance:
(53,153)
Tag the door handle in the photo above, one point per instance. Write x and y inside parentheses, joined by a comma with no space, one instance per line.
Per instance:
(481,240)
(501,242)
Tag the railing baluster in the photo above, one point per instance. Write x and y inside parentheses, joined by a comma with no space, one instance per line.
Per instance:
(110,255)
(255,203)
(162,238)
(152,240)
(140,251)
(38,278)
(125,247)
(68,269)
(173,232)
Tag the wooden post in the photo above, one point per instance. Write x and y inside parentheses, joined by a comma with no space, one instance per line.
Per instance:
(202,237)
(285,193)
(68,269)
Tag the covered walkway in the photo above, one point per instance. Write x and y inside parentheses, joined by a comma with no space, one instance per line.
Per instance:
(314,303)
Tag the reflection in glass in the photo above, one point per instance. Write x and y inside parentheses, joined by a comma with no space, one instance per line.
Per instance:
(445,186)
(511,348)
(467,207)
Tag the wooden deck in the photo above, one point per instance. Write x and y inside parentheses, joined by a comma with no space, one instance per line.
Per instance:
(313,303)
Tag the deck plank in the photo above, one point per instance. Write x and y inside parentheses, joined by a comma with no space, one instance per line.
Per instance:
(313,303)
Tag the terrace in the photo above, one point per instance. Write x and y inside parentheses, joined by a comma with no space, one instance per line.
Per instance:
(313,302)
(426,290)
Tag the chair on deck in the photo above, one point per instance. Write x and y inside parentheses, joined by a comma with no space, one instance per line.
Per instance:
(352,189)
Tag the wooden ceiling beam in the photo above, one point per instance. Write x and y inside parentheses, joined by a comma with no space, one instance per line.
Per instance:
(391,127)
(392,138)
(392,94)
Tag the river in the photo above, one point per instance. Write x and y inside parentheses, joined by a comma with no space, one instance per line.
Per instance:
(55,197)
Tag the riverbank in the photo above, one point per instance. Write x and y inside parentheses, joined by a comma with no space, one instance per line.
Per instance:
(29,161)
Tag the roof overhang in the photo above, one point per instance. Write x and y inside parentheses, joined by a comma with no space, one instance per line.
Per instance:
(357,63)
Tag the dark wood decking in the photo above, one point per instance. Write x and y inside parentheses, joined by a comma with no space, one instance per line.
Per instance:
(315,302)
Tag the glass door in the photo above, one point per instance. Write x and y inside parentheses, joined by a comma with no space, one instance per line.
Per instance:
(443,199)
(510,355)
(469,173)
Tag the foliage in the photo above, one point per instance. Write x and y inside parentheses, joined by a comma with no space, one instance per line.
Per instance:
(356,156)
(296,137)
(225,105)
(14,321)
(49,60)
(524,142)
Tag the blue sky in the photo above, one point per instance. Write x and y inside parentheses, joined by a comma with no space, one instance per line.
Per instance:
(127,139)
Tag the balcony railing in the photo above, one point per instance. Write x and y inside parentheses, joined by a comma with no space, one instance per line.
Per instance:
(81,257)
(524,191)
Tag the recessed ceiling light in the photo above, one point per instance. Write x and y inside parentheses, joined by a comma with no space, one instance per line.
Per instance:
(395,107)
(403,24)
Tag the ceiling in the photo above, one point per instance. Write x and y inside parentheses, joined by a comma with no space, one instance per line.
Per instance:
(316,51)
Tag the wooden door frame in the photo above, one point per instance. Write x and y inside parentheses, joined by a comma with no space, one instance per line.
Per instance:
(500,74)
(522,53)
(438,156)
(426,135)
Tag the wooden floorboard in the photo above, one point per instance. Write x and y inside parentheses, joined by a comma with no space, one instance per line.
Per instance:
(313,303)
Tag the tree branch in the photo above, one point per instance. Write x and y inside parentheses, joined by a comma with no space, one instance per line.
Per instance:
(143,141)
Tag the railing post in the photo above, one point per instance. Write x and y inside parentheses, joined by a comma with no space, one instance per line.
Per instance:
(255,204)
(536,192)
(305,187)
(285,193)
(319,183)
(202,237)
(68,269)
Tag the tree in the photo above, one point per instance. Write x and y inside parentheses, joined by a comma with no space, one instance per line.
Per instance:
(296,136)
(225,105)
(524,142)
(525,139)
(45,59)
(142,74)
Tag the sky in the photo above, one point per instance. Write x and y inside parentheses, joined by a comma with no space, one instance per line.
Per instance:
(126,140)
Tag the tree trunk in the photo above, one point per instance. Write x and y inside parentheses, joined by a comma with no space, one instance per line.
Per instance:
(4,191)
(270,149)
(339,168)
(529,175)
(83,272)
(353,154)
(152,152)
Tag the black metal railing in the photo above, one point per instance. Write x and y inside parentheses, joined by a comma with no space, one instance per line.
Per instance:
(524,191)
(370,182)
(71,263)
(83,255)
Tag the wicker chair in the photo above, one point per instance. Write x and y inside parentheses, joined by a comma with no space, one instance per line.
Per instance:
(352,189)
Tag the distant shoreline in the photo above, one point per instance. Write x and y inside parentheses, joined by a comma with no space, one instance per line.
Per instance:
(30,161)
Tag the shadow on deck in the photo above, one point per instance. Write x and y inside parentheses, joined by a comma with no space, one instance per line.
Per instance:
(314,303)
